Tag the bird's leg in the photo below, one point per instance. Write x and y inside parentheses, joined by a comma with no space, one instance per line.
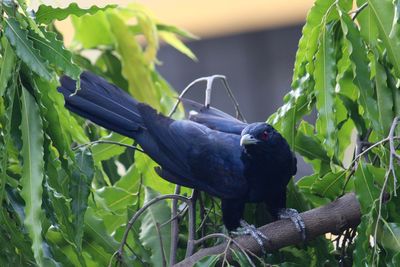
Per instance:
(295,217)
(249,229)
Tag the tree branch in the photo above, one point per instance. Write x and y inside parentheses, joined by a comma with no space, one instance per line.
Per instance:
(335,217)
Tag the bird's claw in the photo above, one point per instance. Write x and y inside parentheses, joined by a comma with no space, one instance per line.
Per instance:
(295,217)
(249,229)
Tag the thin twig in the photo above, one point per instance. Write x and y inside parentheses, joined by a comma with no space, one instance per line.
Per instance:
(107,142)
(191,224)
(174,227)
(164,261)
(140,211)
(209,80)
(390,170)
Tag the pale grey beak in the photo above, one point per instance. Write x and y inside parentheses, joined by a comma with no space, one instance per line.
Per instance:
(248,139)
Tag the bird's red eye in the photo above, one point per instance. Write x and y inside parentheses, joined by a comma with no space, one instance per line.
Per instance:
(264,136)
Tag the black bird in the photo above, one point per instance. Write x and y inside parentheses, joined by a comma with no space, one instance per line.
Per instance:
(212,152)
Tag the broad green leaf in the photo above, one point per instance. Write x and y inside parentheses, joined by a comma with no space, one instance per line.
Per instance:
(80,186)
(116,199)
(174,41)
(149,234)
(362,247)
(354,114)
(54,52)
(366,191)
(93,30)
(95,230)
(207,261)
(7,65)
(24,48)
(361,73)
(325,77)
(368,27)
(47,14)
(390,235)
(382,12)
(330,185)
(32,171)
(106,151)
(384,98)
(308,145)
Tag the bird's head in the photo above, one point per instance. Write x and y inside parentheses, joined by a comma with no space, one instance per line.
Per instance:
(258,135)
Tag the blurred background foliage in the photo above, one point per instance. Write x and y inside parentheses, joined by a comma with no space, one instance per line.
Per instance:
(65,199)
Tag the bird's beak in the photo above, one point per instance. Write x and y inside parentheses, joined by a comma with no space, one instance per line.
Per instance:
(248,139)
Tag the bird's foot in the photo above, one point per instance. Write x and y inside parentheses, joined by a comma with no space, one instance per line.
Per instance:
(295,217)
(249,229)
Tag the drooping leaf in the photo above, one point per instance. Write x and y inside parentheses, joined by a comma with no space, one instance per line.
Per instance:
(325,80)
(54,52)
(361,73)
(81,180)
(134,65)
(383,12)
(32,171)
(149,234)
(366,191)
(46,14)
(384,98)
(7,65)
(24,48)
(174,41)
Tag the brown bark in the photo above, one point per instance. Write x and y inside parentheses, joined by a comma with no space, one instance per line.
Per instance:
(332,218)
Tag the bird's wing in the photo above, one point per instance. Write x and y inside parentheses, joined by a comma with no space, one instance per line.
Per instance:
(213,118)
(204,159)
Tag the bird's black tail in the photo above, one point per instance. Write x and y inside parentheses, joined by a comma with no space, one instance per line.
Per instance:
(103,103)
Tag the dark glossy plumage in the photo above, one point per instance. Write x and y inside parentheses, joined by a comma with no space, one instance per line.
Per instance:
(204,152)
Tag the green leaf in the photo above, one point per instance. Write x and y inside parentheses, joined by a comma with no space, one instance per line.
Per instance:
(207,261)
(134,65)
(308,41)
(32,171)
(330,185)
(149,235)
(390,236)
(53,51)
(47,14)
(95,230)
(7,65)
(308,145)
(176,30)
(384,98)
(80,186)
(325,80)
(382,12)
(174,41)
(92,31)
(368,27)
(24,48)
(367,193)
(106,151)
(359,60)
